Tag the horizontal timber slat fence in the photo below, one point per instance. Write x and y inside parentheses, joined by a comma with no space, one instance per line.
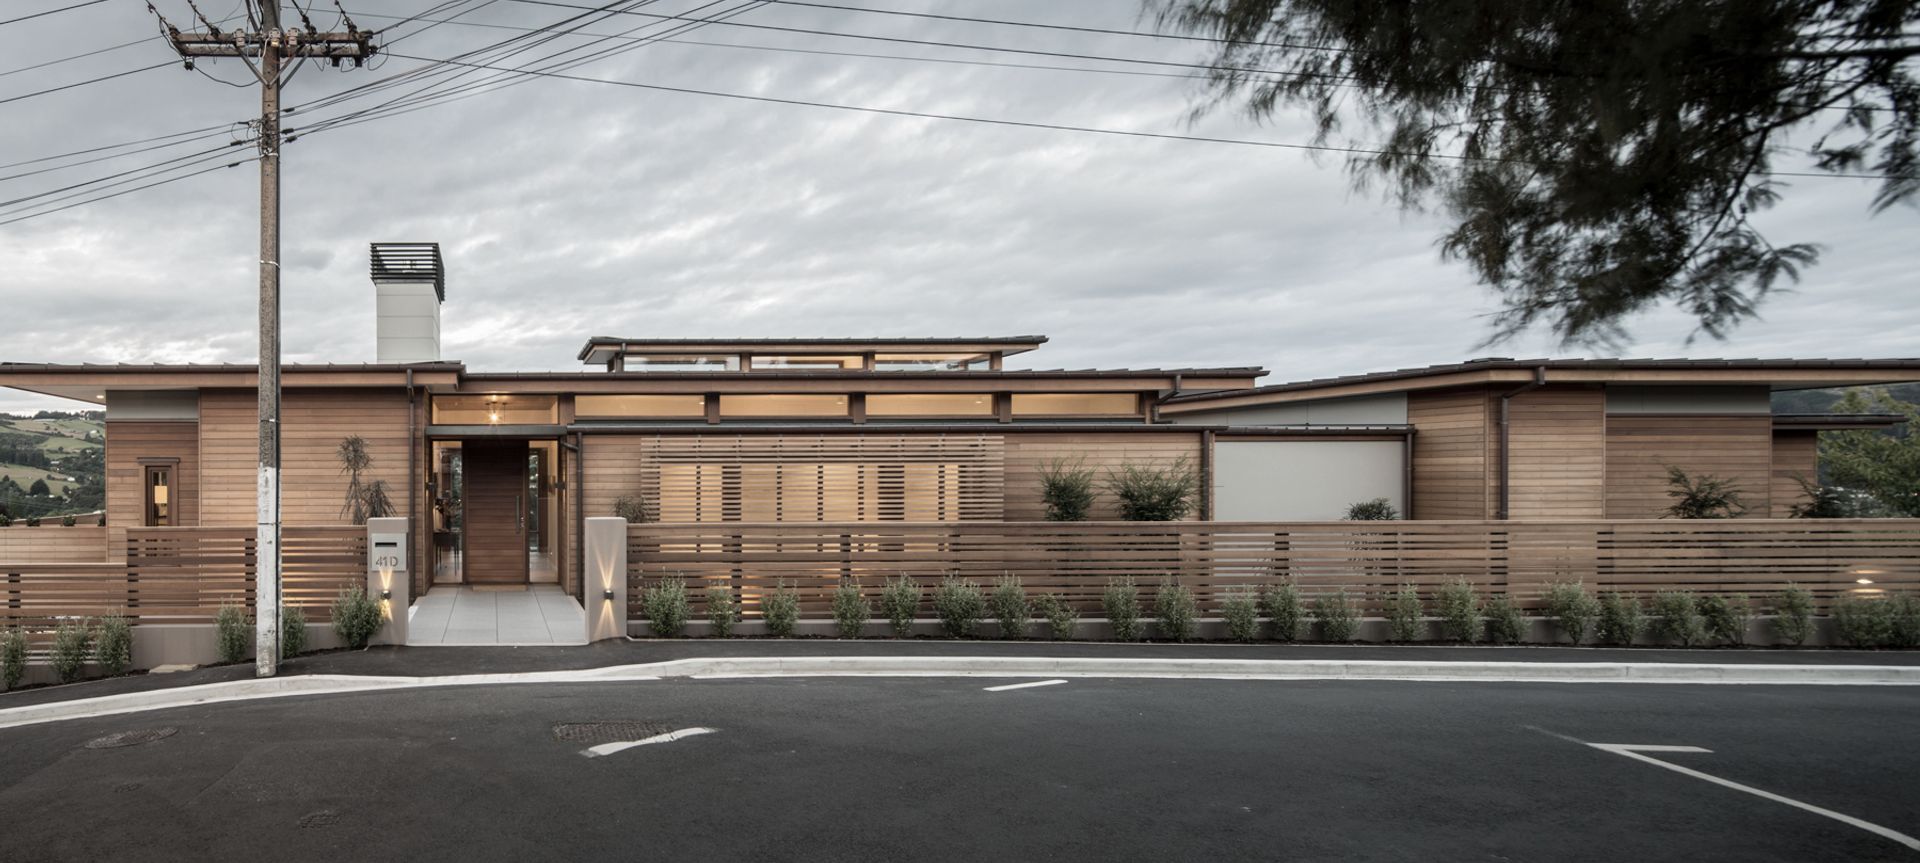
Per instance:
(1075,560)
(181,575)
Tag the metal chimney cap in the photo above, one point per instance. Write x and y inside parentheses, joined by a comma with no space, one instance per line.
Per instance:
(409,263)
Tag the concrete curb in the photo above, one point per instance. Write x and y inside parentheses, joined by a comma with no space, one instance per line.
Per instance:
(712,668)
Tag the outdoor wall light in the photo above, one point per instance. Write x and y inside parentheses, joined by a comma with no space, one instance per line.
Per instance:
(1863,581)
(386,594)
(607,594)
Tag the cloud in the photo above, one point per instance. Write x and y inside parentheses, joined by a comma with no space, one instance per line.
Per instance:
(570,209)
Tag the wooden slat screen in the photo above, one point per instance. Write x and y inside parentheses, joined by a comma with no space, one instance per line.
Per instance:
(180,575)
(53,543)
(1369,559)
(824,478)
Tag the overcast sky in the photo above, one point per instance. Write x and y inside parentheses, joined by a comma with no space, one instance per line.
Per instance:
(568,209)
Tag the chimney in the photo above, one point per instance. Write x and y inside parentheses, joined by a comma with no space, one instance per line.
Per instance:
(409,284)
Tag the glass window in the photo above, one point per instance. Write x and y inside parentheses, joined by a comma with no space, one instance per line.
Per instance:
(930,405)
(927,362)
(682,363)
(1076,404)
(496,410)
(803,362)
(159,496)
(674,406)
(783,406)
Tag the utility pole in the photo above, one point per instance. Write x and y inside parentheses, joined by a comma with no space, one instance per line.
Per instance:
(273,46)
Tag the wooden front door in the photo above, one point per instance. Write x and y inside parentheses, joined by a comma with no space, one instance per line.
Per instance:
(495,473)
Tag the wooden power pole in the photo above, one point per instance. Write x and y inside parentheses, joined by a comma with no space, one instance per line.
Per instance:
(272,46)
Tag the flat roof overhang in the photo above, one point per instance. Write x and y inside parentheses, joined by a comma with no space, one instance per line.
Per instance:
(600,349)
(90,382)
(1775,374)
(667,383)
(1835,422)
(495,432)
(984,427)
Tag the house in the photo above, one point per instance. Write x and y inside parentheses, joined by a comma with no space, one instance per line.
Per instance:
(496,471)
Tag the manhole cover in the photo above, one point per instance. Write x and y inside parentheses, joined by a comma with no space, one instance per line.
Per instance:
(130,738)
(322,818)
(595,733)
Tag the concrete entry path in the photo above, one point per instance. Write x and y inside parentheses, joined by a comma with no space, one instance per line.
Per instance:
(540,614)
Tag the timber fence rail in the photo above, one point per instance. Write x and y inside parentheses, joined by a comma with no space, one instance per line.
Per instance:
(176,575)
(1075,560)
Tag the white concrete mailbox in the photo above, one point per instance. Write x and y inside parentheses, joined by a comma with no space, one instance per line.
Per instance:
(387,551)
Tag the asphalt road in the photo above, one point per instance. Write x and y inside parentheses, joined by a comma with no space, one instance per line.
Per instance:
(908,769)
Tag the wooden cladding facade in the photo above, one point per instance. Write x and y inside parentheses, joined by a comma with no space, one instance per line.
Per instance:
(132,446)
(1571,460)
(1641,448)
(1103,453)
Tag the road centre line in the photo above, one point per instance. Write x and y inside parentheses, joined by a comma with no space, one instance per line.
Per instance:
(1028,685)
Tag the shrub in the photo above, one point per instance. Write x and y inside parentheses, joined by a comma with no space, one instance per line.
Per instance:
(631,507)
(1862,622)
(114,649)
(1572,609)
(1793,615)
(1620,619)
(356,616)
(33,521)
(1121,601)
(1905,629)
(723,611)
(1704,496)
(1504,623)
(1281,604)
(900,601)
(233,631)
(1067,488)
(959,604)
(1403,614)
(1175,610)
(13,657)
(850,609)
(1339,620)
(666,606)
(1154,492)
(1009,606)
(103,520)
(1378,509)
(1061,616)
(1676,617)
(1820,501)
(1241,610)
(67,521)
(72,643)
(1725,617)
(781,608)
(6,520)
(1459,608)
(293,631)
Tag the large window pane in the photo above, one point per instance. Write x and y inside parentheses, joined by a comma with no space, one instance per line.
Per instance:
(641,407)
(682,363)
(1075,404)
(930,405)
(783,406)
(496,410)
(926,362)
(803,363)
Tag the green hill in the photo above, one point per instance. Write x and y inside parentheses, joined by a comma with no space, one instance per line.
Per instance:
(64,450)
(1822,401)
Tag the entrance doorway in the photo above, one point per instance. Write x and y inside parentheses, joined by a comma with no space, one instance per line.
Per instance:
(496,511)
(499,512)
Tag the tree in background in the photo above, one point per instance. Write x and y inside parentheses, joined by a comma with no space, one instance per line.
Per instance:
(39,489)
(1597,159)
(1885,466)
(364,499)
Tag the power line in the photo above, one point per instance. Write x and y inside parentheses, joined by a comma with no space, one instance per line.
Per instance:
(50,12)
(85,83)
(1027,124)
(1100,30)
(130,191)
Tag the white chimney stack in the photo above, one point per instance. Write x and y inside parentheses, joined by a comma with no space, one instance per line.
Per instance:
(409,284)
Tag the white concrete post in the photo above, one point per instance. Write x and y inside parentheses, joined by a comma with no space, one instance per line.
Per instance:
(388,581)
(604,595)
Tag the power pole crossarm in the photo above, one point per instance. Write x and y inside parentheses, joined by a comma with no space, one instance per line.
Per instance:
(272,46)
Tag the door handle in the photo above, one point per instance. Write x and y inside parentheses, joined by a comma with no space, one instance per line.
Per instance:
(520,505)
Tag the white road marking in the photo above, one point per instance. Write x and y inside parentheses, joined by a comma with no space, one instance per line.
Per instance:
(624,745)
(1023,685)
(1637,753)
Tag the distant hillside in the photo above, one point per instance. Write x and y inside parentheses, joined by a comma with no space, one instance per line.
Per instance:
(66,451)
(1822,401)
